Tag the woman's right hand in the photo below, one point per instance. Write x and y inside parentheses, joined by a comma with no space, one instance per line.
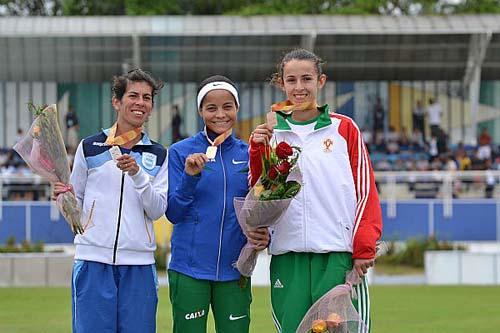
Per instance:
(195,163)
(59,188)
(262,134)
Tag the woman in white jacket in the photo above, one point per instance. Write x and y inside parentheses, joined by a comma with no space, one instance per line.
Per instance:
(335,220)
(120,179)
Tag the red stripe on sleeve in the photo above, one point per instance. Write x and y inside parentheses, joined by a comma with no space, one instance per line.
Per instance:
(368,217)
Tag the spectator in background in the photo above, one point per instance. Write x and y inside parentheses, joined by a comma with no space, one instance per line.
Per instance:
(490,180)
(13,157)
(496,166)
(449,164)
(422,164)
(4,155)
(392,141)
(477,164)
(433,148)
(463,161)
(176,124)
(378,116)
(367,136)
(436,164)
(12,160)
(434,113)
(379,141)
(72,128)
(417,140)
(442,142)
(484,149)
(404,139)
(418,114)
(383,165)
(20,134)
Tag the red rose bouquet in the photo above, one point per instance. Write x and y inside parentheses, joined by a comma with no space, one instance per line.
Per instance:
(277,165)
(278,184)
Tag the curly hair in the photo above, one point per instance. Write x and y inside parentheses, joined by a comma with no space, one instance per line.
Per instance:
(120,82)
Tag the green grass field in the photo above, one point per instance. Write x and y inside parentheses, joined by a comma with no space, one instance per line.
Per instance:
(396,309)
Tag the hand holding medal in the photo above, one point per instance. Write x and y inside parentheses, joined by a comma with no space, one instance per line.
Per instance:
(212,149)
(262,134)
(127,163)
(195,163)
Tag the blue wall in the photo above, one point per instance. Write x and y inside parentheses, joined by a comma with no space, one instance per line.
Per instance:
(476,220)
(470,220)
(31,221)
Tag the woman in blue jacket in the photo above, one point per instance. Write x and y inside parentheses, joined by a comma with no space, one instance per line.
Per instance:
(205,173)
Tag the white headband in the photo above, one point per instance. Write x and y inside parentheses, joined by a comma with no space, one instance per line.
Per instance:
(214,86)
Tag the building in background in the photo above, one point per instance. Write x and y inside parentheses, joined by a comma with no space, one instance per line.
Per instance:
(399,60)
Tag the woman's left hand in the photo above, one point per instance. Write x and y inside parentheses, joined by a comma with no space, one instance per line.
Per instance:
(361,266)
(259,238)
(127,163)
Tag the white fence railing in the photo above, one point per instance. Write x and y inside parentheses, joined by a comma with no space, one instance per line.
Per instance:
(445,185)
(393,186)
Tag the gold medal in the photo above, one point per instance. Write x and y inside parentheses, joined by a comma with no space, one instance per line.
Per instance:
(211,152)
(212,149)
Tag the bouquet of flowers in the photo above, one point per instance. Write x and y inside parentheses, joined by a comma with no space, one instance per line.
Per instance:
(334,312)
(43,150)
(264,204)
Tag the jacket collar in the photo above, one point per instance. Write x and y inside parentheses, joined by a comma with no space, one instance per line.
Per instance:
(323,119)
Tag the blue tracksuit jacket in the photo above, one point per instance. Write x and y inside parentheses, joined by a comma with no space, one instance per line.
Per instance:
(207,238)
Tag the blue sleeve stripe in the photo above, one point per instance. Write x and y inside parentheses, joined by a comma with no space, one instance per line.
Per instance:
(98,160)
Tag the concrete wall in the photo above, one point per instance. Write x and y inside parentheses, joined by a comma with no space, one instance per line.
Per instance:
(35,270)
(459,267)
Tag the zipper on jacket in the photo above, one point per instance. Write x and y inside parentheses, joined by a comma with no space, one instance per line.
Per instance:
(304,208)
(223,214)
(115,247)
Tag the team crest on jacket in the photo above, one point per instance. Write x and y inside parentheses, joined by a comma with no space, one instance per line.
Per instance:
(327,145)
(148,160)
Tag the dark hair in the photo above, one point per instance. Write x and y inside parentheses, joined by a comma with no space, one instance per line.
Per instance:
(119,83)
(215,78)
(296,54)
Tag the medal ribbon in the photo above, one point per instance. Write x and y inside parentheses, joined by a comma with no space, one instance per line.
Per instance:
(287,107)
(220,139)
(122,139)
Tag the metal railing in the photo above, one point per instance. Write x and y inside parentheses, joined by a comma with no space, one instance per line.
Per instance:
(443,185)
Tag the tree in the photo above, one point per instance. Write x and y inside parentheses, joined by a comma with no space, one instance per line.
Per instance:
(477,7)
(247,7)
(164,7)
(30,7)
(340,7)
(93,7)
